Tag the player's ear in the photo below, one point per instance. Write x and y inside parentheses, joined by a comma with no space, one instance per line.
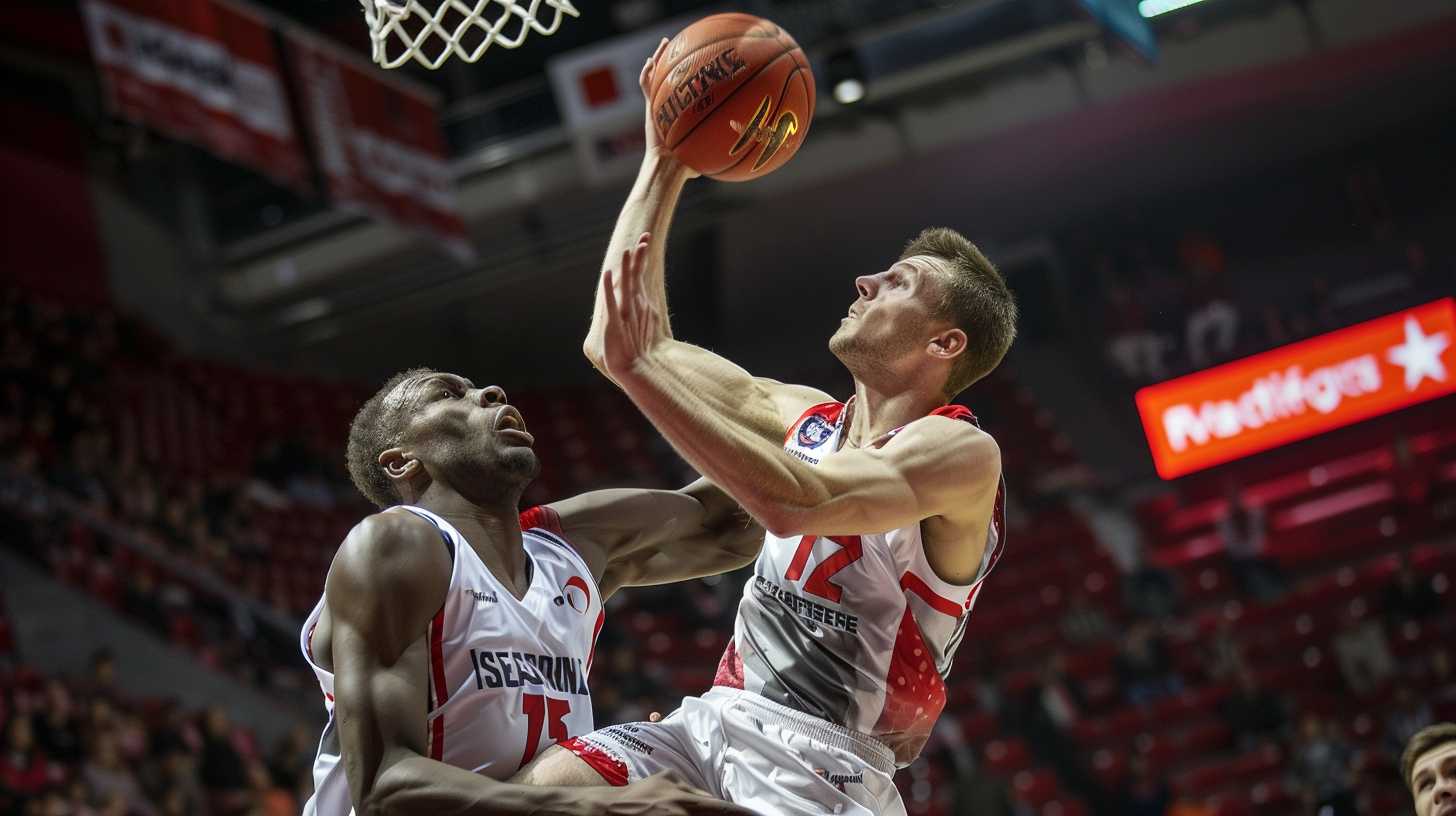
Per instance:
(947,344)
(399,465)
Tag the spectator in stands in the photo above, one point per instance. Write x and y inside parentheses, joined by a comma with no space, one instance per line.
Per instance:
(103,674)
(1325,769)
(57,731)
(268,798)
(177,774)
(1436,673)
(1133,346)
(1225,657)
(989,693)
(1363,652)
(1084,622)
(1151,592)
(1117,533)
(1428,769)
(1409,596)
(221,769)
(1051,709)
(108,776)
(1144,666)
(24,769)
(1058,700)
(294,753)
(1276,326)
(1146,792)
(1408,714)
(975,792)
(1213,321)
(1254,713)
(1244,533)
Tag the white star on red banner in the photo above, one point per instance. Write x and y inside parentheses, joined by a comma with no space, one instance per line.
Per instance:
(1419,355)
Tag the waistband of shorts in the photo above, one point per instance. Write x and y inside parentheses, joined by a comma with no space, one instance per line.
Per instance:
(877,754)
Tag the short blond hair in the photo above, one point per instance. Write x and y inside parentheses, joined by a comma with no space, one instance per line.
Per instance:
(976,300)
(1425,740)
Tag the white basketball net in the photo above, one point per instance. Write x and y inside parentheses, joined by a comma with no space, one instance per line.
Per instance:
(464,28)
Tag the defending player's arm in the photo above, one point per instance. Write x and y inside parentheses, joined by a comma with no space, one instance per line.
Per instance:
(635,537)
(714,418)
(387,582)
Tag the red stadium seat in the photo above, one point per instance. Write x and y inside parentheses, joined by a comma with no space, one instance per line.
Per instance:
(1035,786)
(1005,757)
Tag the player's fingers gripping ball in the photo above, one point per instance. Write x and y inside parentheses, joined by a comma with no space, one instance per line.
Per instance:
(731,96)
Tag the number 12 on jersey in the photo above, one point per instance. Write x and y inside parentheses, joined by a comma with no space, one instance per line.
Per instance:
(819,583)
(542,710)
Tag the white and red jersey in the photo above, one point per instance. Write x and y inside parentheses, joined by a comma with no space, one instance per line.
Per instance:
(855,630)
(507,678)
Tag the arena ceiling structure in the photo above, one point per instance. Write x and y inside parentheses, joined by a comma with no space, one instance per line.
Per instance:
(283,272)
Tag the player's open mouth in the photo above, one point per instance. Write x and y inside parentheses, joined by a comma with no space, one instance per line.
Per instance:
(510,425)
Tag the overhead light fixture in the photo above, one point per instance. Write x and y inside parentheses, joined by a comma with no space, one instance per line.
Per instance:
(304,311)
(1152,8)
(846,77)
(848,91)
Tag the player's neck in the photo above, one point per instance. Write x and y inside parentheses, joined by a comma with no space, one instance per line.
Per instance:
(876,413)
(492,530)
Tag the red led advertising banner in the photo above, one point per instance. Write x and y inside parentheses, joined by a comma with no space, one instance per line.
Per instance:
(1300,390)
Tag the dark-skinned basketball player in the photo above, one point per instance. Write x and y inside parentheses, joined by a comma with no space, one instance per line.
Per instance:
(456,634)
(883,515)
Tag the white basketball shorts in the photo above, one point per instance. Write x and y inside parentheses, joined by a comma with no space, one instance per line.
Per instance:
(753,752)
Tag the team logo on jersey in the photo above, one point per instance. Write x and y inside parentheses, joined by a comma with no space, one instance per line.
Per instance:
(839,780)
(575,594)
(815,431)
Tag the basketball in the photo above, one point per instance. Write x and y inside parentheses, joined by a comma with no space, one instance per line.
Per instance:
(732,97)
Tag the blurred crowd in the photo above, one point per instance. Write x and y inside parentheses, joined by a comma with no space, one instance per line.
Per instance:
(83,747)
(72,488)
(1180,307)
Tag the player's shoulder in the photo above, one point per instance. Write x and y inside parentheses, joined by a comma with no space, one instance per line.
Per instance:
(392,530)
(952,437)
(392,566)
(791,399)
(392,546)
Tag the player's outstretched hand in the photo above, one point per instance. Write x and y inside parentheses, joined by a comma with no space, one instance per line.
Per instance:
(666,794)
(654,142)
(633,325)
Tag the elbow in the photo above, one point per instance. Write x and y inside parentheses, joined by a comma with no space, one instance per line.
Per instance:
(392,794)
(742,546)
(780,521)
(592,349)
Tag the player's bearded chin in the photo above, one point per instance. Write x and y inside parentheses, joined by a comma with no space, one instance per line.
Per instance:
(851,346)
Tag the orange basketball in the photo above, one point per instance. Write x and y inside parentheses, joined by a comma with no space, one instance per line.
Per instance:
(732,96)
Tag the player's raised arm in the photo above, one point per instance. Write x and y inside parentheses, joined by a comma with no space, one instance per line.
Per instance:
(649,208)
(388,581)
(635,537)
(715,418)
(765,405)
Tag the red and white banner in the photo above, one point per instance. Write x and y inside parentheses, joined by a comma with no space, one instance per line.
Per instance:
(601,105)
(1300,390)
(378,141)
(204,71)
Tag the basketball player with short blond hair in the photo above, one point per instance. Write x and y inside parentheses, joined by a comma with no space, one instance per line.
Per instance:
(884,516)
(1428,769)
